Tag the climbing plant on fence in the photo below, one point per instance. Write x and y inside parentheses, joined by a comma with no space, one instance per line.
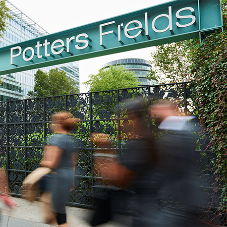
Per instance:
(204,63)
(209,67)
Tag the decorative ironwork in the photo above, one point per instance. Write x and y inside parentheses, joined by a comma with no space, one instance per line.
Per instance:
(24,126)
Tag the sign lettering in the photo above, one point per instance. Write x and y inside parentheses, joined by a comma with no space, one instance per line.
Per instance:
(156,25)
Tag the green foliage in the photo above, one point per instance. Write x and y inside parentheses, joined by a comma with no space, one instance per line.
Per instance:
(53,83)
(115,77)
(209,67)
(152,75)
(170,60)
(205,64)
(4,16)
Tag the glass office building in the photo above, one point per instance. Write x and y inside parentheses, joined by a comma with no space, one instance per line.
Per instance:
(139,66)
(20,28)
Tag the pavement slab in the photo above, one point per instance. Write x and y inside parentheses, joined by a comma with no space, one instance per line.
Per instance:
(29,215)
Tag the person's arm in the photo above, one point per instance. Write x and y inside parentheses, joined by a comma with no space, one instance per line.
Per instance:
(74,160)
(52,156)
(113,172)
(4,189)
(109,168)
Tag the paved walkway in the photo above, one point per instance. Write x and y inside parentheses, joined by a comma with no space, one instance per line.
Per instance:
(28,215)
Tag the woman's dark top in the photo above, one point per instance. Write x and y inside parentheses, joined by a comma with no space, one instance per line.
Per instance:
(62,178)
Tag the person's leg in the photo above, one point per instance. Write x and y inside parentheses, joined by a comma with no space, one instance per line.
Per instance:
(63,225)
(4,188)
(61,220)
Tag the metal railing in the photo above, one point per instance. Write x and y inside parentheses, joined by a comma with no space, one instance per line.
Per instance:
(24,127)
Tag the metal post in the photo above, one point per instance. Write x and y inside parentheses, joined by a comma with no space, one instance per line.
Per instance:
(44,118)
(91,130)
(7,138)
(149,91)
(66,103)
(222,22)
(118,123)
(25,139)
(185,99)
(199,21)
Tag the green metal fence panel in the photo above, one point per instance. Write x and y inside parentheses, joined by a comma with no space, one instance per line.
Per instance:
(24,127)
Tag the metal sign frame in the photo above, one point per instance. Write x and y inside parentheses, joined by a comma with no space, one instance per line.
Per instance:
(170,22)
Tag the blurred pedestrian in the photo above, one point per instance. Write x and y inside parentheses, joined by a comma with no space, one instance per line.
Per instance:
(137,164)
(60,155)
(4,187)
(179,194)
(4,190)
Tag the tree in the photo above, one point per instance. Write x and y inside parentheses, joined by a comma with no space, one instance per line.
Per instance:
(205,63)
(53,83)
(170,60)
(4,16)
(173,60)
(114,77)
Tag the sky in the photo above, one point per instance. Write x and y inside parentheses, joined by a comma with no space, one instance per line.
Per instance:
(55,16)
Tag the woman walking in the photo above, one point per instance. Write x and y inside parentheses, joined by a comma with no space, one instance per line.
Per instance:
(60,156)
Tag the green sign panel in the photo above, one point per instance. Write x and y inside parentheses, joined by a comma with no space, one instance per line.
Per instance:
(169,22)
